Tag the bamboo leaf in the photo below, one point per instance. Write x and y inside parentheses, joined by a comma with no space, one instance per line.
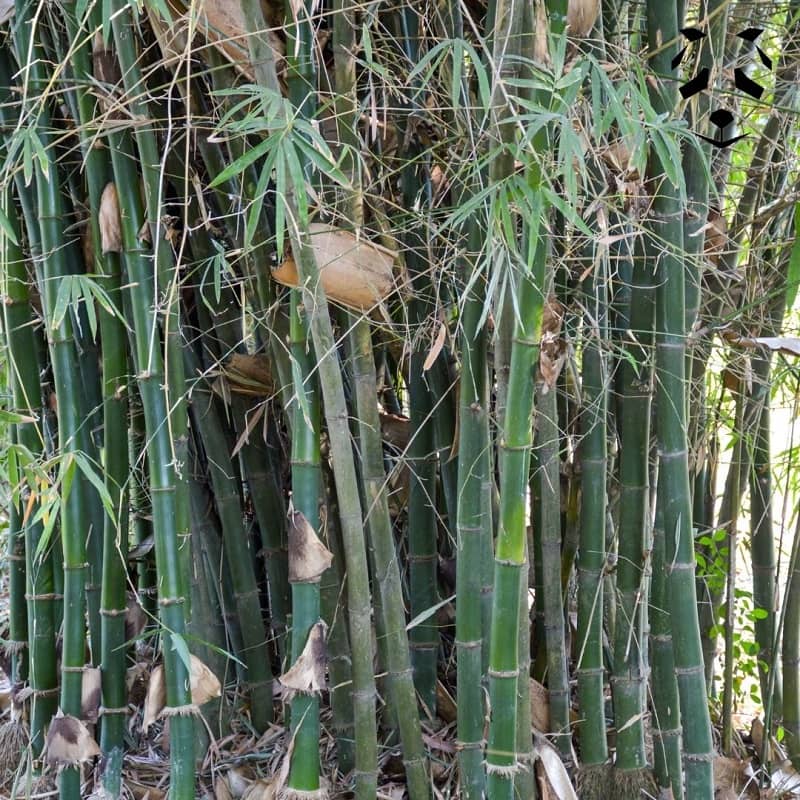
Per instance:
(242,163)
(96,479)
(182,649)
(793,271)
(7,228)
(429,612)
(61,306)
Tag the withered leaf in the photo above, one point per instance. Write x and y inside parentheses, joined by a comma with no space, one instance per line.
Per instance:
(203,683)
(156,698)
(552,355)
(307,674)
(308,557)
(108,219)
(90,694)
(69,741)
(436,347)
(581,15)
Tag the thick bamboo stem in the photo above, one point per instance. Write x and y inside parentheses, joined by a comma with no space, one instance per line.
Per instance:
(662,27)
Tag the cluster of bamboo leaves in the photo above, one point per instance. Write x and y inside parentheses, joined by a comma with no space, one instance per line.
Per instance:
(502,475)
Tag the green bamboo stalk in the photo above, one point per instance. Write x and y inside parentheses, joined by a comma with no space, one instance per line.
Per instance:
(592,547)
(547,518)
(167,274)
(473,529)
(763,556)
(149,366)
(26,391)
(304,773)
(113,601)
(16,647)
(515,441)
(421,453)
(791,651)
(373,473)
(663,683)
(635,384)
(140,507)
(696,158)
(341,452)
(209,426)
(662,27)
(71,413)
(333,599)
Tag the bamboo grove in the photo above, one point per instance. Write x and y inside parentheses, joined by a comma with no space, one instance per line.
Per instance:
(390,395)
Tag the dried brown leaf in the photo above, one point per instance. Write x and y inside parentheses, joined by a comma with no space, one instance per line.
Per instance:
(540,707)
(552,356)
(552,316)
(261,790)
(203,682)
(135,617)
(788,345)
(354,272)
(109,222)
(156,698)
(436,347)
(541,52)
(581,16)
(69,741)
(307,674)
(396,430)
(90,694)
(308,557)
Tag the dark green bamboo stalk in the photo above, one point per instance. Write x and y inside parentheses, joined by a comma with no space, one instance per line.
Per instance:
(379,525)
(236,544)
(304,774)
(635,383)
(71,414)
(336,417)
(149,364)
(791,651)
(333,599)
(763,556)
(24,378)
(16,647)
(167,274)
(662,27)
(663,683)
(515,439)
(473,528)
(592,546)
(421,453)
(113,600)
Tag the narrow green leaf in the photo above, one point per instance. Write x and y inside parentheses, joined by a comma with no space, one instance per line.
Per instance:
(793,272)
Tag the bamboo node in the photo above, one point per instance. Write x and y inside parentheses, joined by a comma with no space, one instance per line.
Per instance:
(46,692)
(104,711)
(666,733)
(287,793)
(699,758)
(171,601)
(69,669)
(180,711)
(113,612)
(460,746)
(698,669)
(503,771)
(499,673)
(48,596)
